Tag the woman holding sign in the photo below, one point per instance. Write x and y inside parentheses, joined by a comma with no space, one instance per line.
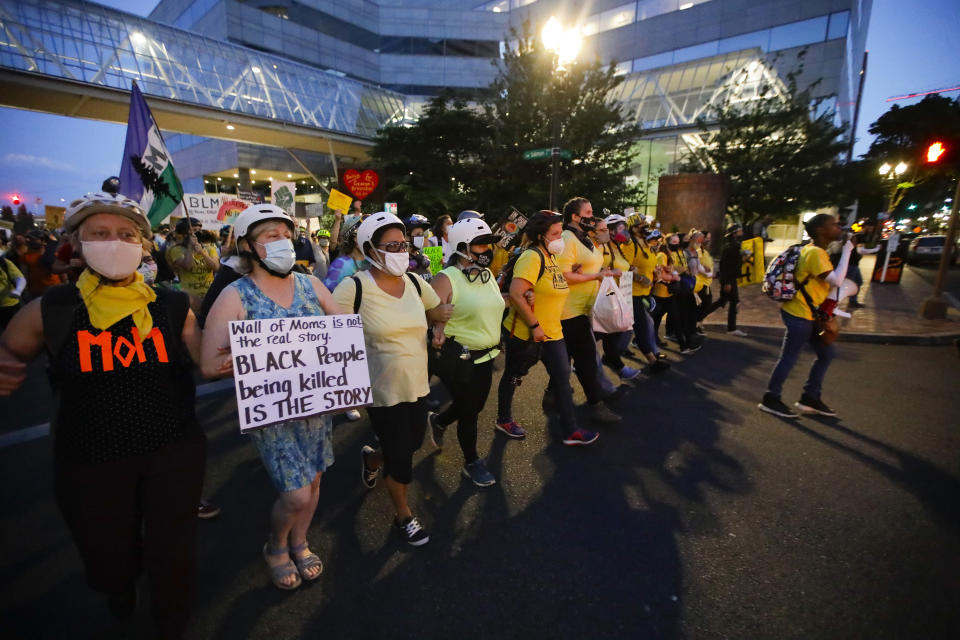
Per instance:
(394,306)
(295,453)
(472,338)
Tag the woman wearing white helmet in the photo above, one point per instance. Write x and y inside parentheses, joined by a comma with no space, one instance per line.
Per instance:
(128,451)
(471,338)
(297,452)
(394,306)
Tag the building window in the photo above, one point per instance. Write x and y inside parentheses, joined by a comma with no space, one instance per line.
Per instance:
(838,25)
(797,34)
(618,17)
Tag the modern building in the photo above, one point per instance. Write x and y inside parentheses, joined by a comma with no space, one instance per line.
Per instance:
(677,57)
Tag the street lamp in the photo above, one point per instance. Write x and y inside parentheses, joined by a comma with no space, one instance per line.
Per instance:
(565,45)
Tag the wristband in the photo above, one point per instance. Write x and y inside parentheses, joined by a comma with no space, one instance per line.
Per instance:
(534,326)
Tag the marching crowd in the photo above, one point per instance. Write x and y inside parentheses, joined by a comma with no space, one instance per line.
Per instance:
(125,312)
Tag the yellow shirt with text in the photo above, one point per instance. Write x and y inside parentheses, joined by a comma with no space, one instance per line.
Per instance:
(550,293)
(813,262)
(644,260)
(583,294)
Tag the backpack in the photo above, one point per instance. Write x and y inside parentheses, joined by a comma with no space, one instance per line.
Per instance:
(358,292)
(778,282)
(506,274)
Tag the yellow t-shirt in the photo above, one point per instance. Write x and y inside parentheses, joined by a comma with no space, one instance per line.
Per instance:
(582,295)
(199,277)
(500,257)
(550,293)
(395,334)
(813,261)
(618,259)
(7,283)
(660,289)
(707,261)
(644,260)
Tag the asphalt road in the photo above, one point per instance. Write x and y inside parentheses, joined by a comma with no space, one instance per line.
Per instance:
(928,271)
(697,517)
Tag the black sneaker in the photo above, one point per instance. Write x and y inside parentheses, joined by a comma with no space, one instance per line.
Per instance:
(412,531)
(691,348)
(773,404)
(367,475)
(436,430)
(659,366)
(814,405)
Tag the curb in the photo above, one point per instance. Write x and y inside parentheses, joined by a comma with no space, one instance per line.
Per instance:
(920,339)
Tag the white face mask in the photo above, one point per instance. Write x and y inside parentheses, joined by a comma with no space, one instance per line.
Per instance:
(112,259)
(395,264)
(556,246)
(280,255)
(417,241)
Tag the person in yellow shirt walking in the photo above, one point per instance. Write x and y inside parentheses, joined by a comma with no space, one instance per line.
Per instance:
(582,265)
(643,263)
(194,262)
(610,234)
(814,275)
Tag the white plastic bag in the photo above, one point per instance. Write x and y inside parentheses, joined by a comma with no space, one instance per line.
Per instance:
(612,312)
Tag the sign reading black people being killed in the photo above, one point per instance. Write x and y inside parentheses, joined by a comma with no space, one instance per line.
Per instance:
(288,368)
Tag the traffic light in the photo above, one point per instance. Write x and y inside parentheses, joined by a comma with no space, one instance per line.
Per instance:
(935,151)
(15,199)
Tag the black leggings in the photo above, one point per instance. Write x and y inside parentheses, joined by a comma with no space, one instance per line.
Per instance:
(582,348)
(400,429)
(669,306)
(468,385)
(134,513)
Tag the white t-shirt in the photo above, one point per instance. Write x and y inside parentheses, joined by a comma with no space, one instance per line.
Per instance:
(395,334)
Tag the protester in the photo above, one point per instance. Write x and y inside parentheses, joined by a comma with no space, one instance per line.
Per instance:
(441,227)
(698,240)
(814,276)
(295,453)
(394,306)
(304,250)
(582,265)
(687,264)
(148,267)
(730,265)
(471,339)
(853,270)
(128,451)
(614,259)
(67,262)
(194,262)
(643,262)
(666,291)
(533,335)
(37,262)
(419,263)
(12,284)
(321,254)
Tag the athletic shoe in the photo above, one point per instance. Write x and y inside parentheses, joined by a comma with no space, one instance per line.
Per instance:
(353,415)
(412,531)
(367,475)
(601,413)
(671,336)
(773,404)
(808,404)
(581,437)
(662,344)
(628,373)
(687,350)
(511,429)
(436,430)
(207,510)
(477,471)
(659,366)
(700,330)
(738,333)
(855,305)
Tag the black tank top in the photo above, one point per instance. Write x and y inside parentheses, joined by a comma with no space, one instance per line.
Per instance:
(119,394)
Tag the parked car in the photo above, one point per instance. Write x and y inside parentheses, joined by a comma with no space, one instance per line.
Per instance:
(928,249)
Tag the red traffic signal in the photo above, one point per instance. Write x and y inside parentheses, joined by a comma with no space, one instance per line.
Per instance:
(935,151)
(15,199)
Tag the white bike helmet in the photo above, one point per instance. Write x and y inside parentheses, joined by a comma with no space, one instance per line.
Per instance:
(467,232)
(374,223)
(93,203)
(614,218)
(258,213)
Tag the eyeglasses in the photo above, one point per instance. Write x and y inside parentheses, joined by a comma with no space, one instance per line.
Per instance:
(394,247)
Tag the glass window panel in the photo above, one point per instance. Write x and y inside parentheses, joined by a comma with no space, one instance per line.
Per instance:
(838,25)
(590,26)
(654,61)
(797,34)
(703,50)
(650,8)
(746,41)
(618,17)
(623,68)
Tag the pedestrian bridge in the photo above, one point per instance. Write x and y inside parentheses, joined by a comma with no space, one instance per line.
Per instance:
(80,59)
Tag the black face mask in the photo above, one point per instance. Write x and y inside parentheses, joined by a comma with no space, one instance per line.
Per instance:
(587,224)
(483,259)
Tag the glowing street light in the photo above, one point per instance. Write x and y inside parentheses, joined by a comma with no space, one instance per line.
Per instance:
(900,168)
(565,45)
(884,169)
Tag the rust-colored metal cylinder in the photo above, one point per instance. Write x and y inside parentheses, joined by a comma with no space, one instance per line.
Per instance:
(688,200)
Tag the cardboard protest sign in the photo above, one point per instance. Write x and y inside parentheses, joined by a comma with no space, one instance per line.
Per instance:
(360,184)
(289,368)
(436,259)
(283,195)
(752,267)
(339,200)
(214,210)
(513,225)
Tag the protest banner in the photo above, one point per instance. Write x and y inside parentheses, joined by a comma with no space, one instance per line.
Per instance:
(752,266)
(289,368)
(214,210)
(513,225)
(360,184)
(436,259)
(339,201)
(54,216)
(283,195)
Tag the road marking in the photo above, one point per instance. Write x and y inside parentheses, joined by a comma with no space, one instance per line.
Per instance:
(36,432)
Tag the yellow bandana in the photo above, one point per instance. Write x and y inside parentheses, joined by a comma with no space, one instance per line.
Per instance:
(107,305)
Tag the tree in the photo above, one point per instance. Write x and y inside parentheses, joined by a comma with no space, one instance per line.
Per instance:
(779,155)
(464,154)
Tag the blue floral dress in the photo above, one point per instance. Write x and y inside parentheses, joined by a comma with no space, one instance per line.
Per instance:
(293,452)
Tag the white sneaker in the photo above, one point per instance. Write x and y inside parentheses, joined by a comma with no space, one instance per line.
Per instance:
(738,333)
(353,415)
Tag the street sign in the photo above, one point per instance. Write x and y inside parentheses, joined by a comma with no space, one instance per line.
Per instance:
(540,154)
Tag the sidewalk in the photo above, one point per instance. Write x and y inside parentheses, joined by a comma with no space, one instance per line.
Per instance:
(892,313)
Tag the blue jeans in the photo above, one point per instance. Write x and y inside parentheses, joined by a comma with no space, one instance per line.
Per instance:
(520,355)
(643,332)
(800,332)
(853,273)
